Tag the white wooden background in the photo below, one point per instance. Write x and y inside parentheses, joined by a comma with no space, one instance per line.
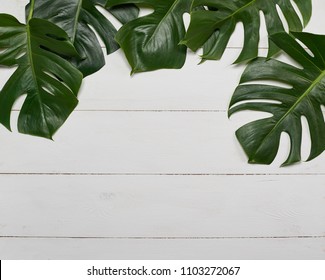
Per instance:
(149,167)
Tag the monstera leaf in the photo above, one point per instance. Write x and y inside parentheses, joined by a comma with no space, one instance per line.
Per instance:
(50,82)
(212,27)
(260,139)
(152,42)
(77,17)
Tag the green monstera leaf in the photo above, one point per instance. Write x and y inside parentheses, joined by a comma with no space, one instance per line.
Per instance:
(211,28)
(77,17)
(50,82)
(152,42)
(260,138)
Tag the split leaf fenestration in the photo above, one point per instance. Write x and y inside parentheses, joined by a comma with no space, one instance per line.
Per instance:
(50,82)
(77,17)
(260,139)
(152,42)
(211,28)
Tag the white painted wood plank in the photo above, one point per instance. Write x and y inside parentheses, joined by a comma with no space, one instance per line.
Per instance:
(162,206)
(230,249)
(208,86)
(142,142)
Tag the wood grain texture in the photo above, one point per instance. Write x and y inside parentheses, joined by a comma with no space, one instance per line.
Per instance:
(141,171)
(164,206)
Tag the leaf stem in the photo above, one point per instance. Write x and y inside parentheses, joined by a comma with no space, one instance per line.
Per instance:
(31,10)
(76,22)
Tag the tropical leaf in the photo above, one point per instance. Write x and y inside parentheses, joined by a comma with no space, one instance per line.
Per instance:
(77,17)
(212,28)
(50,82)
(152,42)
(260,139)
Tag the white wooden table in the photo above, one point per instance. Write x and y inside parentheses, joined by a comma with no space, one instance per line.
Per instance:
(148,167)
